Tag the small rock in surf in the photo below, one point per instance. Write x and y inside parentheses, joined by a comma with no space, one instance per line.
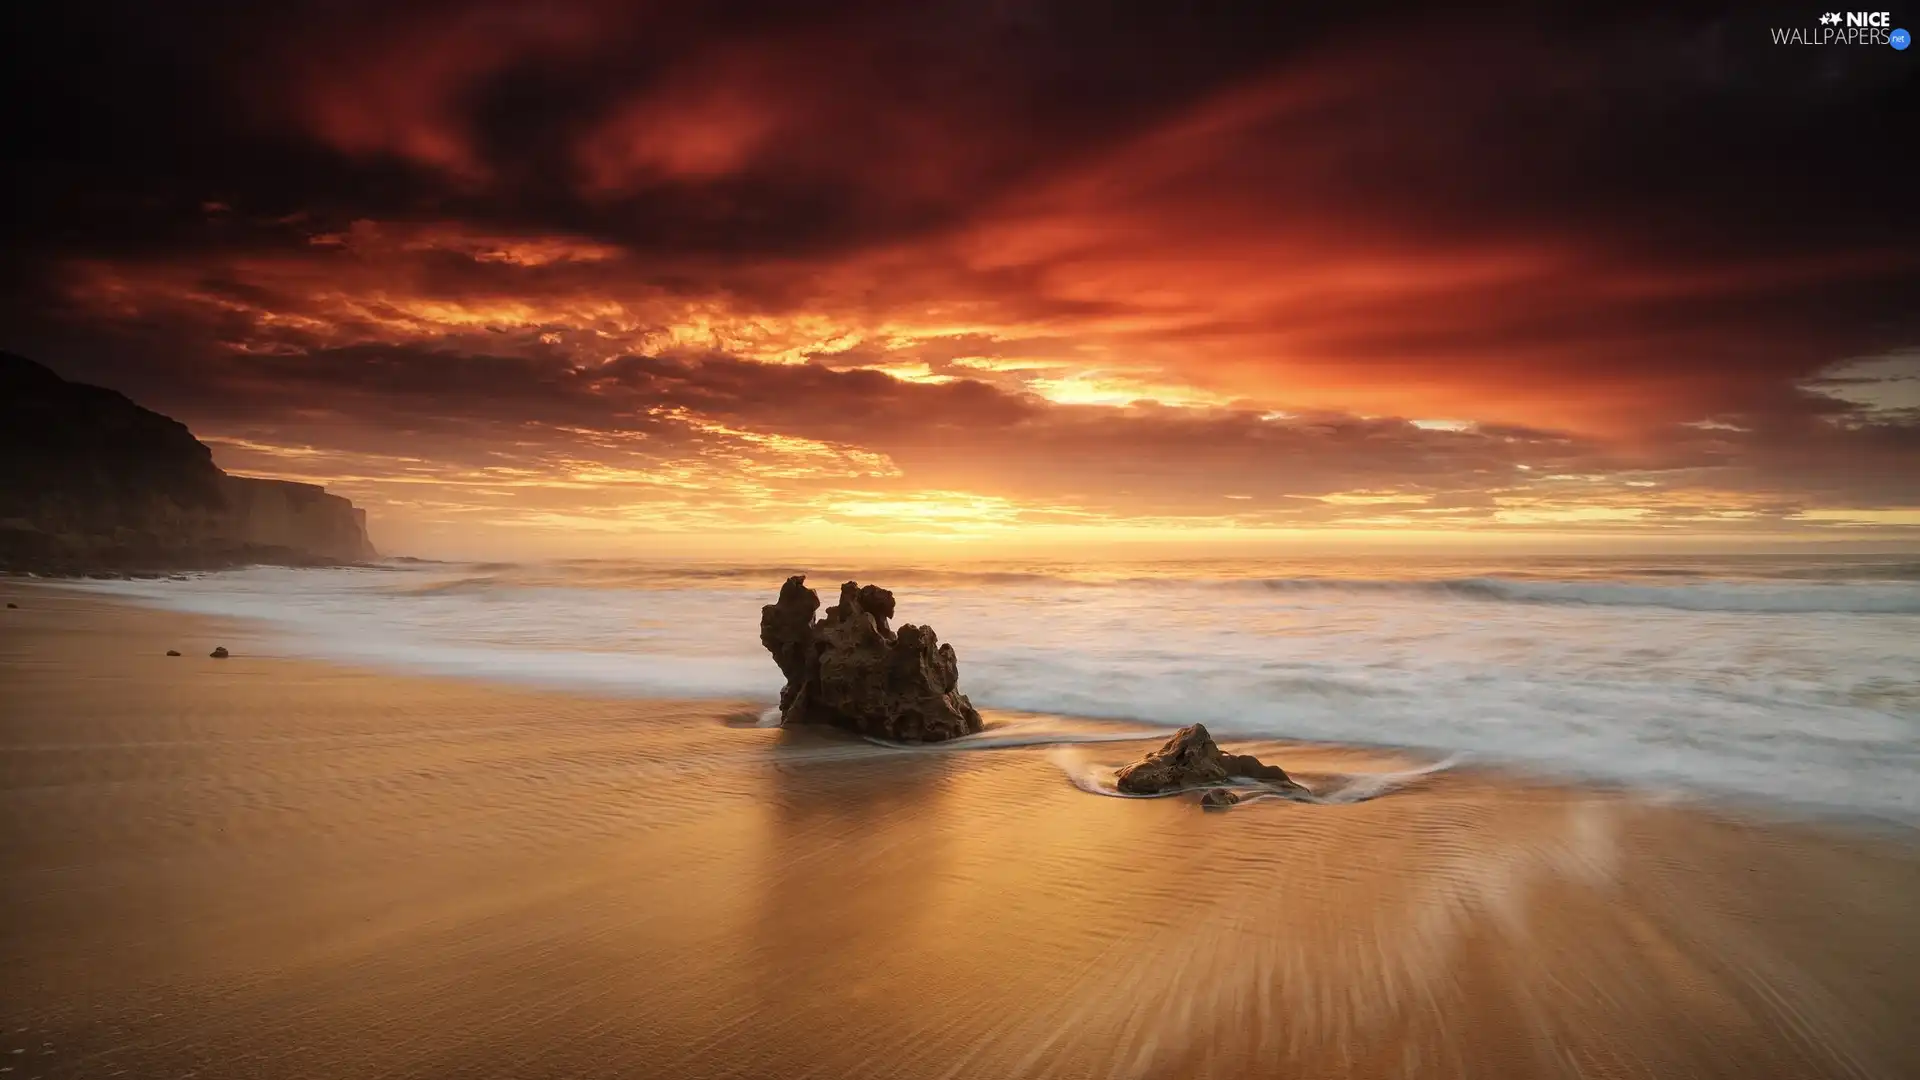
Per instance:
(219,653)
(173,652)
(1191,759)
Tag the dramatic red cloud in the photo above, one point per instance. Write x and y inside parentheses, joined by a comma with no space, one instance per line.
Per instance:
(593,269)
(406,92)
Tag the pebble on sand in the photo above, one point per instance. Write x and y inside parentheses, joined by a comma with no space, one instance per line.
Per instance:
(1218,798)
(173,652)
(219,653)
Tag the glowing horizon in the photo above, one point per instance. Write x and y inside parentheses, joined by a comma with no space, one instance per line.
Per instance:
(868,281)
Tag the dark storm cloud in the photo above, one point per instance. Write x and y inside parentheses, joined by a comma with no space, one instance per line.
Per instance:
(857,123)
(690,226)
(346,110)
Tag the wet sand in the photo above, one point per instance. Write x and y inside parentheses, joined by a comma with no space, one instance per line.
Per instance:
(273,868)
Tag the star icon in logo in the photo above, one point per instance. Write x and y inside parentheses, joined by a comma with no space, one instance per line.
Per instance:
(1831,18)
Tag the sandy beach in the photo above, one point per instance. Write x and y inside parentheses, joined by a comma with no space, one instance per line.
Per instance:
(260,867)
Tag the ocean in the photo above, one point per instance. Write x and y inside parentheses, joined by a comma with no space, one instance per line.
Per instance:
(1790,680)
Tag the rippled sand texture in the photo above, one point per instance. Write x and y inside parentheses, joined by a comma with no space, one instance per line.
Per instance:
(260,868)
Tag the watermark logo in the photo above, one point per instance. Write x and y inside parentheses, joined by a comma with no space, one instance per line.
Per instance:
(1845,28)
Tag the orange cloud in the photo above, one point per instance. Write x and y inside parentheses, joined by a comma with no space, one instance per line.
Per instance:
(675,267)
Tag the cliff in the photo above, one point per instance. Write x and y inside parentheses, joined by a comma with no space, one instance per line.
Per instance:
(91,482)
(298,517)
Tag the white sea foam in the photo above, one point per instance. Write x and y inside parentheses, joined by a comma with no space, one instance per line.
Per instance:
(1795,679)
(1883,598)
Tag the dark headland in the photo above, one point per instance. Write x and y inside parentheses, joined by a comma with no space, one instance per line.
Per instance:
(92,483)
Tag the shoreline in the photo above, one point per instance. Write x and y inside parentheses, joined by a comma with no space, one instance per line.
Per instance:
(261,867)
(1785,809)
(203,563)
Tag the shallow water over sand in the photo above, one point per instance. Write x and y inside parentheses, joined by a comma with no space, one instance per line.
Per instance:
(261,868)
(1787,679)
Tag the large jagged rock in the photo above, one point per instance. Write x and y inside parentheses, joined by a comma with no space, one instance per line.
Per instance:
(786,632)
(1191,759)
(852,670)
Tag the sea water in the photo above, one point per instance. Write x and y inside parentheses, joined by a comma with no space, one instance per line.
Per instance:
(1792,679)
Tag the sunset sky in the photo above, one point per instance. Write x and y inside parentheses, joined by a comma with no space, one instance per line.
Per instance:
(589,277)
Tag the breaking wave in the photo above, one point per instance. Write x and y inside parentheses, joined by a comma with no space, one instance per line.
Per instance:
(1776,677)
(1797,598)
